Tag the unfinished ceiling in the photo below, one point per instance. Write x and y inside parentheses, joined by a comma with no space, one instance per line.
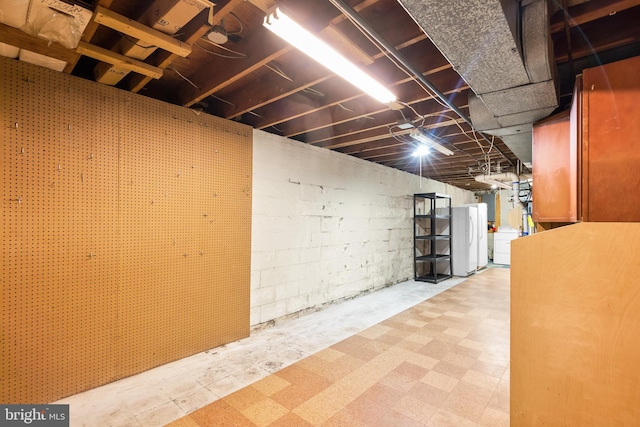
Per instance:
(514,62)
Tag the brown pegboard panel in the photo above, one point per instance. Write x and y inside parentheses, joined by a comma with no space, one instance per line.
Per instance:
(228,153)
(126,233)
(59,268)
(183,287)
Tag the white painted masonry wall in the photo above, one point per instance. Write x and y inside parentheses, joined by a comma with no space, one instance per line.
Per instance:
(327,226)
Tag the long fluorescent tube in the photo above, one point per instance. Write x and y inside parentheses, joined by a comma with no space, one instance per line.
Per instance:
(294,34)
(419,136)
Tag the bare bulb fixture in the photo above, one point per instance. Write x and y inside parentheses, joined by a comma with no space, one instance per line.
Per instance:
(218,35)
(418,135)
(421,150)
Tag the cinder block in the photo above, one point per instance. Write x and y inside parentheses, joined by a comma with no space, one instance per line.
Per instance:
(261,259)
(287,290)
(287,257)
(298,303)
(272,311)
(254,316)
(263,296)
(309,255)
(255,279)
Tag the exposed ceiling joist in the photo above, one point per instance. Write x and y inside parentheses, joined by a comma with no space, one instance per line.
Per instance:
(141,32)
(113,58)
(274,87)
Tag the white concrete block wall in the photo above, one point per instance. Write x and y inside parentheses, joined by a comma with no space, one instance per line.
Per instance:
(327,226)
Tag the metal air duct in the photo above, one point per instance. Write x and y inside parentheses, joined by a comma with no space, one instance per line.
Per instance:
(513,82)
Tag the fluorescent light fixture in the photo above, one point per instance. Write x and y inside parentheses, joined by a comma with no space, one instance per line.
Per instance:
(419,136)
(421,150)
(294,34)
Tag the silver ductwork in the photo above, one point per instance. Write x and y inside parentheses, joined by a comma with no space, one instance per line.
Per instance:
(505,180)
(503,50)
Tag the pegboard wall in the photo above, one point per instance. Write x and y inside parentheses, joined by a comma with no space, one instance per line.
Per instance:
(126,233)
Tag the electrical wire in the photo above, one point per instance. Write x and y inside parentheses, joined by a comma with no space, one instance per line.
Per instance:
(240,55)
(345,108)
(276,69)
(239,22)
(313,91)
(414,112)
(417,81)
(473,137)
(184,78)
(223,100)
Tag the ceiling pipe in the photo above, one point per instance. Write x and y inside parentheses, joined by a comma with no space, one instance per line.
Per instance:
(501,179)
(352,14)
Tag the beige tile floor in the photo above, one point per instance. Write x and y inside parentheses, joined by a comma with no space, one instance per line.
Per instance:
(443,362)
(399,356)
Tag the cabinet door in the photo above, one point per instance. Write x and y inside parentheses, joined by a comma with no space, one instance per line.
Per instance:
(610,145)
(555,182)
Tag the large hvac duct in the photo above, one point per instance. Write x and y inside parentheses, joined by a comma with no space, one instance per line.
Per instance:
(513,82)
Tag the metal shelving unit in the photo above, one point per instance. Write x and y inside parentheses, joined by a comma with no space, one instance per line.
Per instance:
(432,237)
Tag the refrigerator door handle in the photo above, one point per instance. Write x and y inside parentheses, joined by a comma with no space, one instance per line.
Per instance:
(472,231)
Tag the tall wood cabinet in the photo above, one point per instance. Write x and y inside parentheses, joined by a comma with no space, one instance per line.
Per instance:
(586,161)
(575,317)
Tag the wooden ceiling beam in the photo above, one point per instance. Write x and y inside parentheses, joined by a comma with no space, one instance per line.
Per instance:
(191,33)
(124,62)
(334,123)
(18,38)
(382,143)
(222,10)
(590,11)
(87,34)
(132,28)
(261,47)
(426,106)
(302,74)
(401,150)
(339,92)
(372,135)
(590,39)
(274,87)
(468,158)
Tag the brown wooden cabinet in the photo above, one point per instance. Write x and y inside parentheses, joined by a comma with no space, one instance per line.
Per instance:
(555,171)
(575,317)
(611,142)
(587,161)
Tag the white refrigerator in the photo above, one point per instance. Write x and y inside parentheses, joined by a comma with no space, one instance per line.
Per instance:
(483,235)
(464,240)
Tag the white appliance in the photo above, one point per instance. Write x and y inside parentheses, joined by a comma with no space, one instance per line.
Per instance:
(483,233)
(442,227)
(502,245)
(464,240)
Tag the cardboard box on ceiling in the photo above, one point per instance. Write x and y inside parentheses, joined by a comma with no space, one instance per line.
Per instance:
(81,15)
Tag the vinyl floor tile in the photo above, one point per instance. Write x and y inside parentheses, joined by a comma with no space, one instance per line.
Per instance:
(439,357)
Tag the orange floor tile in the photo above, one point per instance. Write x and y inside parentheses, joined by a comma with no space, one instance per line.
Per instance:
(443,362)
